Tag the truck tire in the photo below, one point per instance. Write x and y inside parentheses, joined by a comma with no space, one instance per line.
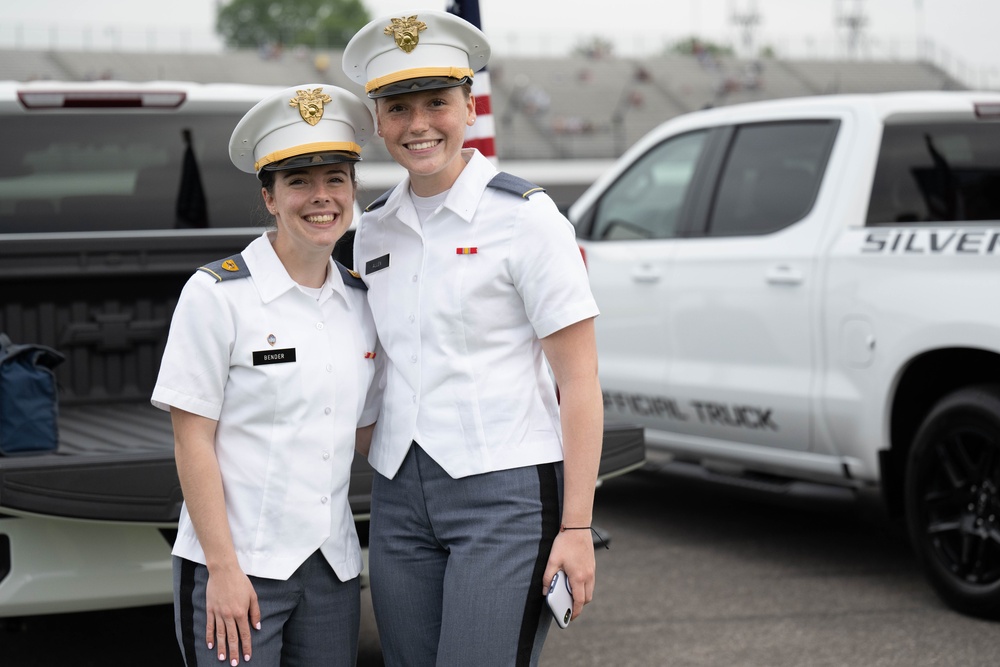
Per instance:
(953,499)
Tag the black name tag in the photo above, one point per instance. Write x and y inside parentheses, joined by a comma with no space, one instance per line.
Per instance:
(377,264)
(264,357)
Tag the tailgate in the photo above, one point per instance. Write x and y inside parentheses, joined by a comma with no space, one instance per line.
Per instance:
(624,450)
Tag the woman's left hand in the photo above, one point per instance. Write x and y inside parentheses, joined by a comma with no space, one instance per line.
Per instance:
(573,553)
(572,355)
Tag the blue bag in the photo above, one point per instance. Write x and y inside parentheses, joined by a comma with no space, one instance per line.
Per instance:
(29,405)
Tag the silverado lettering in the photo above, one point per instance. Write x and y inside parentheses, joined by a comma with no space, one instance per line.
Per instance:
(978,242)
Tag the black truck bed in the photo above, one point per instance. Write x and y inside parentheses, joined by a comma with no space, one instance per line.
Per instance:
(105,299)
(115,463)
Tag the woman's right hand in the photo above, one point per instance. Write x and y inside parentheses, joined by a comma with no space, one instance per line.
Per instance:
(231,608)
(230,600)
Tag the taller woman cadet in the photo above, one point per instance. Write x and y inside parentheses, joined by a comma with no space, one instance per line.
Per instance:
(486,475)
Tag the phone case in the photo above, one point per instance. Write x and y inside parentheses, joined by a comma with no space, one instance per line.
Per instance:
(560,599)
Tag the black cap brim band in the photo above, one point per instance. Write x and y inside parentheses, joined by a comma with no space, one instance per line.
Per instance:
(418,85)
(311,160)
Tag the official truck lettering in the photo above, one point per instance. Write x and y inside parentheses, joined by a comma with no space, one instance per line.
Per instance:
(706,412)
(932,242)
(741,416)
(646,406)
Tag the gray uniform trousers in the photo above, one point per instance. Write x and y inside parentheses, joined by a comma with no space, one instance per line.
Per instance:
(457,564)
(312,619)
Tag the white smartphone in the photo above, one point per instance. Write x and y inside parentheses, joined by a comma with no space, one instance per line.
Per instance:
(560,599)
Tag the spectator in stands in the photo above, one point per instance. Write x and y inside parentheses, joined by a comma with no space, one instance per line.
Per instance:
(474,279)
(268,374)
(322,63)
(535,101)
(571,125)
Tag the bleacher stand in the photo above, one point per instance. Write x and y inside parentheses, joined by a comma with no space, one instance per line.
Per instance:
(544,108)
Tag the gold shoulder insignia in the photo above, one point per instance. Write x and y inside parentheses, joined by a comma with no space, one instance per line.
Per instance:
(351,278)
(227,269)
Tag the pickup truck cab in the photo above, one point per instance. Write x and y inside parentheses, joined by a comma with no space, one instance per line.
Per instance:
(112,194)
(798,295)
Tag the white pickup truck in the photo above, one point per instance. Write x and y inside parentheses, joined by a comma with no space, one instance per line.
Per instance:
(804,294)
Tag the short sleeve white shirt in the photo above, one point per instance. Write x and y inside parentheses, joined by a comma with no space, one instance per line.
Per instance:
(460,302)
(289,378)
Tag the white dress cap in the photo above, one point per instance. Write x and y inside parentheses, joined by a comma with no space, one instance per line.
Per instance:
(419,50)
(319,123)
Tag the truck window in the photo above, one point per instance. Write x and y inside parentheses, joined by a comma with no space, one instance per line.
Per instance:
(104,172)
(771,176)
(937,172)
(645,201)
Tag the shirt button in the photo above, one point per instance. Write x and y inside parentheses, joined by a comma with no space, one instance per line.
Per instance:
(326,456)
(414,279)
(329,368)
(413,358)
(327,411)
(323,500)
(319,325)
(412,318)
(414,398)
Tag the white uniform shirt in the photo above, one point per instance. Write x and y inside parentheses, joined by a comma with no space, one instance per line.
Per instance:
(460,303)
(286,431)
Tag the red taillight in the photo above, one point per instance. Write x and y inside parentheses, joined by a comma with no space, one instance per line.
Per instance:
(111,99)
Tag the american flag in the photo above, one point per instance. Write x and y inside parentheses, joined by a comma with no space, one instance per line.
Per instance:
(481,134)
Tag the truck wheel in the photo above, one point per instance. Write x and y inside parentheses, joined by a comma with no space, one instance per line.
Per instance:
(953,499)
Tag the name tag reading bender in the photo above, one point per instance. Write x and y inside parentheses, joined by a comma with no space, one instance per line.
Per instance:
(264,357)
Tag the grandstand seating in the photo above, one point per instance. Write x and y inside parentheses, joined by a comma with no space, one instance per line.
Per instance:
(543,107)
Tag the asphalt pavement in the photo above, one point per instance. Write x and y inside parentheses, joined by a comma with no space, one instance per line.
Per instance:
(696,575)
(699,575)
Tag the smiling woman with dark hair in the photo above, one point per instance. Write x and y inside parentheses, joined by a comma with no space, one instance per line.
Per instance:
(269,375)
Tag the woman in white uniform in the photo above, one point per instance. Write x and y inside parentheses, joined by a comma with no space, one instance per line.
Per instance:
(269,376)
(475,280)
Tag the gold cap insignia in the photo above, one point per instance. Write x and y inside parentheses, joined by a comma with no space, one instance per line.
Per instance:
(406,32)
(310,104)
(230,265)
